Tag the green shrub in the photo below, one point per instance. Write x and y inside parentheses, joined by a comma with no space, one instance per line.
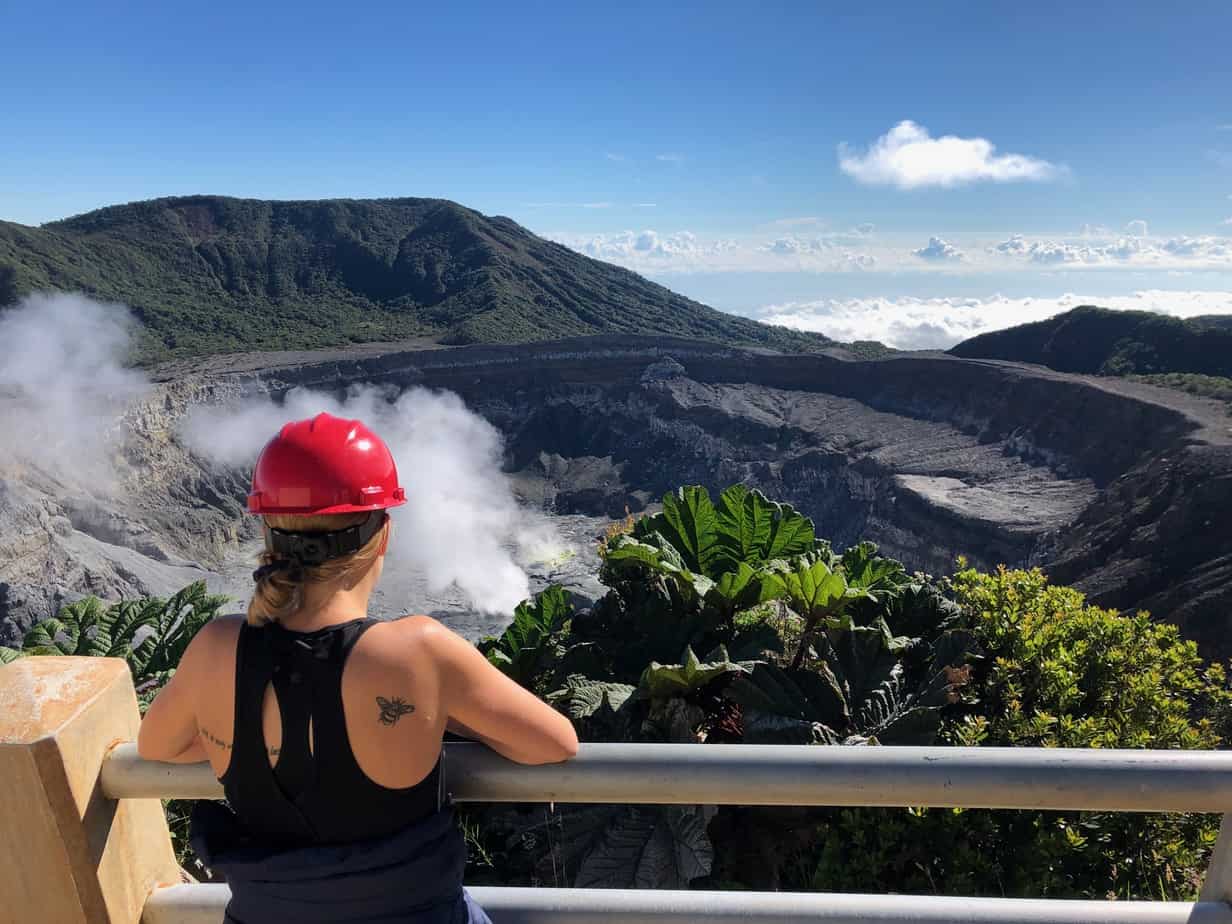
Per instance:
(1054,672)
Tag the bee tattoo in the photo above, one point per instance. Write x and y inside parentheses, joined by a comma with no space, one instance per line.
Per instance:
(393,709)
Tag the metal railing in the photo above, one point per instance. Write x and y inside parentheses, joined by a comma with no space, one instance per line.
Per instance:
(1002,778)
(751,774)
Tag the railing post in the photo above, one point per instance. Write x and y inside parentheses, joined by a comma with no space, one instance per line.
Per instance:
(67,853)
(1217,886)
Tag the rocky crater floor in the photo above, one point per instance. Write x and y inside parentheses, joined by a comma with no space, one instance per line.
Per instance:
(1124,490)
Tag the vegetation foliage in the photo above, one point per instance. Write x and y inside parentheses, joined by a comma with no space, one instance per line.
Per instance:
(1204,386)
(1107,342)
(732,621)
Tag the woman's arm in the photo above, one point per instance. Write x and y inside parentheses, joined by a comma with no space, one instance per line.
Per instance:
(169,729)
(483,703)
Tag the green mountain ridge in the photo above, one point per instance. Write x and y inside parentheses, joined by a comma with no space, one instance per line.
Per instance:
(1102,341)
(211,274)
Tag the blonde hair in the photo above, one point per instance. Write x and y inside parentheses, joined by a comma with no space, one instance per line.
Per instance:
(279,594)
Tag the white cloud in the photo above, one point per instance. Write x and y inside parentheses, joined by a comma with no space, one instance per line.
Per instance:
(1136,228)
(908,157)
(645,205)
(612,156)
(683,251)
(637,247)
(829,253)
(670,158)
(939,323)
(1227,221)
(596,205)
(939,251)
(1139,251)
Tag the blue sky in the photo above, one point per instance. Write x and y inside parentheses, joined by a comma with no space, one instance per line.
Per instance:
(755,156)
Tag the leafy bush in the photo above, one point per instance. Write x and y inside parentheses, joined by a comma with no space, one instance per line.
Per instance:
(150,633)
(1205,386)
(1055,672)
(724,622)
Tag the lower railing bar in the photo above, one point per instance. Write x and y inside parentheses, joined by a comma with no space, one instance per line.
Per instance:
(204,904)
(1010,778)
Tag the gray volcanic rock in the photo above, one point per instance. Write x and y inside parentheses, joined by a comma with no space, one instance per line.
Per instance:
(1121,489)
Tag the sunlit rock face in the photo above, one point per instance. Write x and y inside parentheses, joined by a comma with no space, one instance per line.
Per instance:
(1121,489)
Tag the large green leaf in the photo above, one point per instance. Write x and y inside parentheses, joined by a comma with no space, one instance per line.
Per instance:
(660,681)
(658,554)
(9,655)
(753,529)
(529,643)
(809,585)
(771,728)
(877,576)
(736,589)
(625,550)
(174,623)
(802,695)
(862,661)
(644,847)
(581,697)
(689,524)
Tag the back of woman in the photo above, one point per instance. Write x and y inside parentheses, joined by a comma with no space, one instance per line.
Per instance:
(324,725)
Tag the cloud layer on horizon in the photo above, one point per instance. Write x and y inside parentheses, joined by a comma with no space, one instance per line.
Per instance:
(862,249)
(940,323)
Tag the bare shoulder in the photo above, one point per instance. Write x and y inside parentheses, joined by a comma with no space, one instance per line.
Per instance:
(422,636)
(211,653)
(220,631)
(398,641)
(420,630)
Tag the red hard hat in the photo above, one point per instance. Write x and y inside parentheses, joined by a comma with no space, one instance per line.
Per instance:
(325,465)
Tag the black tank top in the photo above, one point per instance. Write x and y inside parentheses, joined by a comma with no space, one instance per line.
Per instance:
(318,795)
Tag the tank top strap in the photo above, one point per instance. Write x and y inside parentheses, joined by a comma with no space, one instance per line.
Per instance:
(253,670)
(249,771)
(334,754)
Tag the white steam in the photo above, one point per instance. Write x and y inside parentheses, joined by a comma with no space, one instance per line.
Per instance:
(64,388)
(461,525)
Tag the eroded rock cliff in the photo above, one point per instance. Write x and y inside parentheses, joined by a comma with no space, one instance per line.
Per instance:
(1123,490)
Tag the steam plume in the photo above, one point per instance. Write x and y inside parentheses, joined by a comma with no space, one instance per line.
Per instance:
(462,525)
(63,387)
(64,390)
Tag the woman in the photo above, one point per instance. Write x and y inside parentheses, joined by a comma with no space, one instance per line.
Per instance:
(325,725)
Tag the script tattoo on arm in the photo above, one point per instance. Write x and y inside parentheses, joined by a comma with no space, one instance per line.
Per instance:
(226,745)
(393,709)
(214,739)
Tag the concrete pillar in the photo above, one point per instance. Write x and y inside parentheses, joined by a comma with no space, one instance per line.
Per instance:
(67,853)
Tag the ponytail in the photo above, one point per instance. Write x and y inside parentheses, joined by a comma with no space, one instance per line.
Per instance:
(281,583)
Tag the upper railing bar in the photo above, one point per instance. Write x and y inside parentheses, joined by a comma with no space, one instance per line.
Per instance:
(1008,778)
